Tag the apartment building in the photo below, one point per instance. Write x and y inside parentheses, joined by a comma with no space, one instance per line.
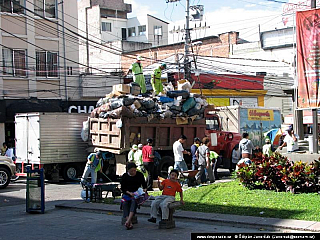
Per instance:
(40,58)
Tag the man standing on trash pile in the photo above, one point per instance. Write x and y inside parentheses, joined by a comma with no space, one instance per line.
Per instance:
(137,70)
(178,152)
(156,79)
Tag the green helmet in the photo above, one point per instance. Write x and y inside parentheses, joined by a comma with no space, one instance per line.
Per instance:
(164,65)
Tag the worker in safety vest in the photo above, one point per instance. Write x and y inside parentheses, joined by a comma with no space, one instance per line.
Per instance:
(156,79)
(94,164)
(137,70)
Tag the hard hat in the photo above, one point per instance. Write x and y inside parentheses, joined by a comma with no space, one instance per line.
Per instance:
(149,140)
(140,145)
(135,147)
(164,65)
(139,58)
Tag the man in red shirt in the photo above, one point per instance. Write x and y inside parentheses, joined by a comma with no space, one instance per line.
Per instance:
(170,187)
(147,157)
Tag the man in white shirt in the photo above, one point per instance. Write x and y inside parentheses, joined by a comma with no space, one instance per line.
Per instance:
(178,152)
(291,141)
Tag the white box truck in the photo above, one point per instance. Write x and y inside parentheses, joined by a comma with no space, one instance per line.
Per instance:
(51,141)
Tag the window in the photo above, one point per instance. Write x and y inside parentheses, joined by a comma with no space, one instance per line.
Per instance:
(12,6)
(158,30)
(45,8)
(14,62)
(47,64)
(106,27)
(132,32)
(142,30)
(212,123)
(69,71)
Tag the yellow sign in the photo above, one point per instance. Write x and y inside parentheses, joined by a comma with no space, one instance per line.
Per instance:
(260,114)
(219,102)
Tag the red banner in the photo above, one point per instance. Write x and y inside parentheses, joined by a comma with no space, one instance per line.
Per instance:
(308,58)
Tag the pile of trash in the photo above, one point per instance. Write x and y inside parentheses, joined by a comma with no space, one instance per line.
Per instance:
(173,104)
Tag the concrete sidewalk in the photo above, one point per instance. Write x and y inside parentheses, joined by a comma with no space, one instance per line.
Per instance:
(256,222)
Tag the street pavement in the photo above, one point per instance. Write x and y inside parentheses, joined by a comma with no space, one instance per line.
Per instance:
(67,216)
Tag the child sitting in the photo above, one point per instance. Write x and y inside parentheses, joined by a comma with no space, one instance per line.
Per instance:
(170,187)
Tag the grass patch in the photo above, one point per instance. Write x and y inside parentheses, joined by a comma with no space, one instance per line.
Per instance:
(232,198)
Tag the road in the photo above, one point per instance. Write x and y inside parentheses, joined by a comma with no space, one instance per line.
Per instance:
(69,224)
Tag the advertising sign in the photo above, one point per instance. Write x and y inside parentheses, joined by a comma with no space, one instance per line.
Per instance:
(308,58)
(260,114)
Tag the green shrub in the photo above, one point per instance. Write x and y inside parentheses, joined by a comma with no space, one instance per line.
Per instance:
(279,174)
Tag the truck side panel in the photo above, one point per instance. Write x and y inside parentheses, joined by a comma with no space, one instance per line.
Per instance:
(108,137)
(60,138)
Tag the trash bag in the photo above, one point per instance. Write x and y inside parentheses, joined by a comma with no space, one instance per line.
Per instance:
(116,103)
(172,94)
(176,108)
(166,99)
(105,108)
(128,101)
(188,104)
(193,111)
(85,131)
(148,103)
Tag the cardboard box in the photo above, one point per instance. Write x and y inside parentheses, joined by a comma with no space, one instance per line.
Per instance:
(122,88)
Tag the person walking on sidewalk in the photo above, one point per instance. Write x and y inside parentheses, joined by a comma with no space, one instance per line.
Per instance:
(148,162)
(131,181)
(203,155)
(138,77)
(170,187)
(156,79)
(94,164)
(178,152)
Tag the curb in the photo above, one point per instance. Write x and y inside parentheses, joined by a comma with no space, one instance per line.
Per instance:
(255,222)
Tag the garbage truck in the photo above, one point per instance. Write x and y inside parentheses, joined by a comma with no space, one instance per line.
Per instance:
(52,141)
(119,134)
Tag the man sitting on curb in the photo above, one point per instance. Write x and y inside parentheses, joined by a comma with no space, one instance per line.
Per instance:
(170,187)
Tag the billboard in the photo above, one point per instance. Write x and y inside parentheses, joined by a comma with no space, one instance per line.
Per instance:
(308,58)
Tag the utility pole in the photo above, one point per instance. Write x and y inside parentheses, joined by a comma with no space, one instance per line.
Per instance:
(187,64)
(64,53)
(187,41)
(315,110)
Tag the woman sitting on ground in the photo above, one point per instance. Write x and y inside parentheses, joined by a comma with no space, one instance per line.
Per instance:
(130,182)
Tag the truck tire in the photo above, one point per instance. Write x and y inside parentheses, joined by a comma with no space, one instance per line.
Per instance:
(70,172)
(164,165)
(4,177)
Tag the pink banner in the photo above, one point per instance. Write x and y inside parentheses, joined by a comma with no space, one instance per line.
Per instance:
(308,58)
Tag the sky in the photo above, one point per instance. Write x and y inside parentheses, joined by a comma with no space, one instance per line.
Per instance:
(248,17)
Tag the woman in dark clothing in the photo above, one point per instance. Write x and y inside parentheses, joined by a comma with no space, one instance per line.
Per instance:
(130,182)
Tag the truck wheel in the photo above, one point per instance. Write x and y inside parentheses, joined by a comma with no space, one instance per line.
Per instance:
(164,165)
(4,177)
(70,172)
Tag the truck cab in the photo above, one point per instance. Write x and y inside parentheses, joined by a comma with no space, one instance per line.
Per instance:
(222,142)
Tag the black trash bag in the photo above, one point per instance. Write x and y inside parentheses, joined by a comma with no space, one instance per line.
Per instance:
(148,103)
(177,93)
(176,108)
(127,101)
(193,111)
(116,103)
